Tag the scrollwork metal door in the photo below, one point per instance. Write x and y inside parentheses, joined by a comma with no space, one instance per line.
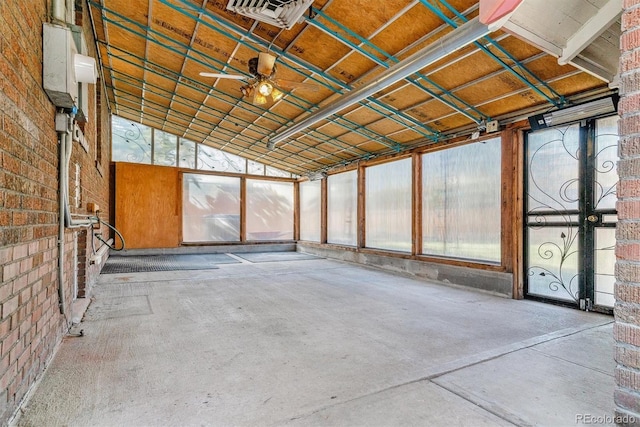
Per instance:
(570,213)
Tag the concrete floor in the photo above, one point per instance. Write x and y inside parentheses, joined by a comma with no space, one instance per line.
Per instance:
(321,342)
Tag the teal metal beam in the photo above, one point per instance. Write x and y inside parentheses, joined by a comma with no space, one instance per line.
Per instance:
(454,105)
(552,96)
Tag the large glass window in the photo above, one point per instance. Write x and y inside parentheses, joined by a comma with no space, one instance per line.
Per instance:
(342,208)
(269,210)
(310,196)
(388,206)
(130,142)
(210,208)
(461,201)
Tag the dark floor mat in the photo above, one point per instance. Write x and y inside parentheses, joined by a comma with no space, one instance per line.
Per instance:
(149,263)
(275,256)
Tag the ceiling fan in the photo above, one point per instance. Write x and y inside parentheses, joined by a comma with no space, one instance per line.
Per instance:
(263,86)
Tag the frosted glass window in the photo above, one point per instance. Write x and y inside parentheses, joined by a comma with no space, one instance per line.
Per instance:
(461,202)
(342,208)
(553,256)
(212,159)
(271,171)
(269,210)
(164,148)
(187,151)
(210,208)
(605,261)
(255,168)
(310,196)
(130,142)
(388,206)
(606,159)
(552,164)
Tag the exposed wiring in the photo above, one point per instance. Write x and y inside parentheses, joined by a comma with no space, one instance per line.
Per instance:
(105,242)
(274,40)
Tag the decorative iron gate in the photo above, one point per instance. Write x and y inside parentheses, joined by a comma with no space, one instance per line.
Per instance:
(570,186)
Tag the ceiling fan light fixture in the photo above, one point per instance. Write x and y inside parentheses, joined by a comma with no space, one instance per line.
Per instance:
(276,94)
(265,88)
(259,99)
(247,90)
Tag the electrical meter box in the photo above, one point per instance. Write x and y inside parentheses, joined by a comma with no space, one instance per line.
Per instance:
(58,74)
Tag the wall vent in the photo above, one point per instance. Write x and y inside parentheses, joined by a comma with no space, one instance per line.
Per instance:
(280,13)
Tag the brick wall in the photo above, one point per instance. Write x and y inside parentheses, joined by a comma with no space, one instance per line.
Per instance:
(627,310)
(31,325)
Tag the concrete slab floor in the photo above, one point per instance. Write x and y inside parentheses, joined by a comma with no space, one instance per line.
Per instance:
(321,342)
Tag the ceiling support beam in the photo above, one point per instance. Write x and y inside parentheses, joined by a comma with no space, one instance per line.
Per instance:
(454,104)
(591,30)
(552,96)
(457,39)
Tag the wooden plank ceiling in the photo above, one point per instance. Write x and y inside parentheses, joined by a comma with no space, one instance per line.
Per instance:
(153,51)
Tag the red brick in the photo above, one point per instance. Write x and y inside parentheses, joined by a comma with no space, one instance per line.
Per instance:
(627,378)
(631,19)
(628,189)
(628,231)
(9,306)
(8,376)
(625,333)
(630,40)
(629,61)
(628,312)
(628,251)
(628,271)
(628,209)
(628,356)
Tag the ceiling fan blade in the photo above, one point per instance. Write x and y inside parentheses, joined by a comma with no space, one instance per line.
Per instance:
(266,61)
(224,76)
(290,85)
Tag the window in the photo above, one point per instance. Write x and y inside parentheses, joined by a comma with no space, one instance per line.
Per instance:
(271,171)
(130,142)
(255,168)
(342,208)
(187,150)
(164,148)
(388,206)
(310,198)
(269,210)
(210,208)
(461,201)
(210,158)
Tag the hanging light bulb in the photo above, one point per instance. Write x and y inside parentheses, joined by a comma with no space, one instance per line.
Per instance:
(276,94)
(259,99)
(265,88)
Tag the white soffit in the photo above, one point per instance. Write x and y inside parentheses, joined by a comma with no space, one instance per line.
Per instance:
(583,33)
